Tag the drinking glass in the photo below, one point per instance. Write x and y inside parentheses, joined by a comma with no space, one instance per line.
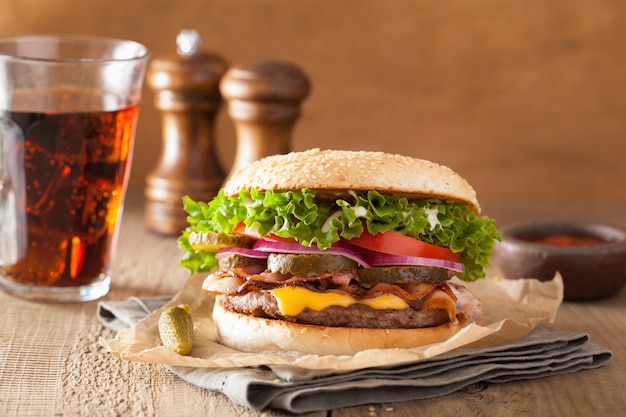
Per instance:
(68,110)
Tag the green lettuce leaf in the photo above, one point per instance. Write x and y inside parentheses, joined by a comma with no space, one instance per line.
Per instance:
(299,215)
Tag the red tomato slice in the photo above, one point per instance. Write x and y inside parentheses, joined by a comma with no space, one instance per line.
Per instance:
(395,243)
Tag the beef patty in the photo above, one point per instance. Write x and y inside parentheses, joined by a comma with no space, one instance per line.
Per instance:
(263,304)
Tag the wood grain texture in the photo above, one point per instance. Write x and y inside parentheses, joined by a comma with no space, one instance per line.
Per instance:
(523,98)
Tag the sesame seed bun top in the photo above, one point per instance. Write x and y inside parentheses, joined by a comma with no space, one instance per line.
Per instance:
(340,171)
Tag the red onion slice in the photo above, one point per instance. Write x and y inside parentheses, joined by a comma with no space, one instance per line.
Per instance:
(262,248)
(250,253)
(383,259)
(272,246)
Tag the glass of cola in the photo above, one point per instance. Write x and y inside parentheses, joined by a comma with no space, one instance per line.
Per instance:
(68,110)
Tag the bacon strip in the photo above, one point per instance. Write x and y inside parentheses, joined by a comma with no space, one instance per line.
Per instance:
(419,295)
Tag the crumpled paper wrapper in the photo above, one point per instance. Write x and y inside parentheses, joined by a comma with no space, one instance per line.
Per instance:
(512,308)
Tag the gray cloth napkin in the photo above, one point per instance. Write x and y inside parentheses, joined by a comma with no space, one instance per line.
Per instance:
(541,353)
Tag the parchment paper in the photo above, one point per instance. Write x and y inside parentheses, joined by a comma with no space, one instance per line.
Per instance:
(512,308)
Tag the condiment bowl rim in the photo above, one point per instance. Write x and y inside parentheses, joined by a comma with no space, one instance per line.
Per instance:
(512,236)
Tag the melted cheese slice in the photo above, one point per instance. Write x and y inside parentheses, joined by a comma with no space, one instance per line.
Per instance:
(293,300)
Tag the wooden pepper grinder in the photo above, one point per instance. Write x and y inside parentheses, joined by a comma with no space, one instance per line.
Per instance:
(263,100)
(186,87)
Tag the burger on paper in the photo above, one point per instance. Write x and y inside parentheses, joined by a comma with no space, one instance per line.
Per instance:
(332,252)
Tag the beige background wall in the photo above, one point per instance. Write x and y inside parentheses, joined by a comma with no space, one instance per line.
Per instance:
(524,98)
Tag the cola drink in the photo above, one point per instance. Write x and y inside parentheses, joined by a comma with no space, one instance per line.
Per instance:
(62,180)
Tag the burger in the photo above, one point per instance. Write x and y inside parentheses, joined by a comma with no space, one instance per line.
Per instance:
(334,252)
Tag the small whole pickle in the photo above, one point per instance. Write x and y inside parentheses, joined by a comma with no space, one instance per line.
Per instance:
(176,329)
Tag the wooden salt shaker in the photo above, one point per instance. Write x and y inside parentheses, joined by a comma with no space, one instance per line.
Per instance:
(186,87)
(263,100)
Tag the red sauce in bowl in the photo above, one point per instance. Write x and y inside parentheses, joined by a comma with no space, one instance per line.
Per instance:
(568,240)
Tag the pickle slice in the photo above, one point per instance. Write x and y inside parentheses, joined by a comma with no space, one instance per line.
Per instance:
(399,274)
(229,262)
(308,263)
(212,242)
(176,329)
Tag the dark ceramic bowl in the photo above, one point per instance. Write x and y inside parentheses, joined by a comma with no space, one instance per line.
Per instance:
(594,270)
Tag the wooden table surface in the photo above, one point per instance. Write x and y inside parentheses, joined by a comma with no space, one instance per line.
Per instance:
(51,363)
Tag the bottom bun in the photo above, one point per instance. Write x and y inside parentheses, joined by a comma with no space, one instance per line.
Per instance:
(256,334)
